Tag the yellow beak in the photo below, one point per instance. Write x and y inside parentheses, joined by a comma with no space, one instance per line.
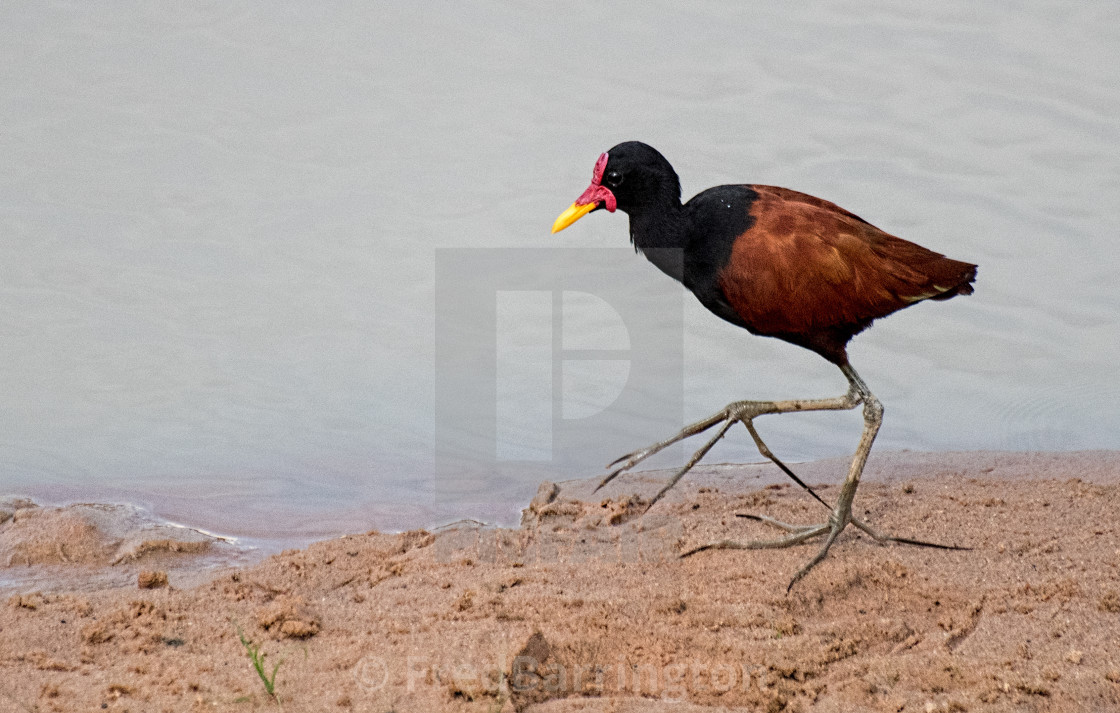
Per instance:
(574,213)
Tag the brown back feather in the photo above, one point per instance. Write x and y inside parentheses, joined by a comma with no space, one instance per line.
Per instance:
(810,272)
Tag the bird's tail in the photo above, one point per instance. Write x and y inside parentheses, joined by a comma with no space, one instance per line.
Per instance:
(965,276)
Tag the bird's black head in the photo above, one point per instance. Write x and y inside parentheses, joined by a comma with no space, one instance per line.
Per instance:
(637,173)
(627,177)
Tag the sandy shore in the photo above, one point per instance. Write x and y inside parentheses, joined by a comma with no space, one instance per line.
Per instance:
(588,607)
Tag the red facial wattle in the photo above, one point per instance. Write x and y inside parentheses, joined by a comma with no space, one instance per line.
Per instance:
(597,192)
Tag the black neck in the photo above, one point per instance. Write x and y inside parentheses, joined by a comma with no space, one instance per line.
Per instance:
(659,228)
(658,225)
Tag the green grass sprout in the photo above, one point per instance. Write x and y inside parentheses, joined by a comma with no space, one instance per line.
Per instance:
(258,658)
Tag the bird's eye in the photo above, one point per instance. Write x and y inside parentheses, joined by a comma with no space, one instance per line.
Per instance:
(613,178)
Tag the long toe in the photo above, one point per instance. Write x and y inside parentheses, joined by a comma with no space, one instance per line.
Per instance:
(836,526)
(788,541)
(788,527)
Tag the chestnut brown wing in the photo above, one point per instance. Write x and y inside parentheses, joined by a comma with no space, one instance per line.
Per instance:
(808,268)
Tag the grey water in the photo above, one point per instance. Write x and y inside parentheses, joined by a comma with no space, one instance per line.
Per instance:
(222,225)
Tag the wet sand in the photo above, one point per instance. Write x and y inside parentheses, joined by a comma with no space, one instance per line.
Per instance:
(588,606)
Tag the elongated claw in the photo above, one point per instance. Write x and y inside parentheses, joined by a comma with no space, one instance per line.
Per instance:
(859,524)
(776,523)
(692,461)
(788,541)
(833,531)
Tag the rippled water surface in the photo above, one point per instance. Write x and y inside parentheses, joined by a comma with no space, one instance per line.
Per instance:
(221,226)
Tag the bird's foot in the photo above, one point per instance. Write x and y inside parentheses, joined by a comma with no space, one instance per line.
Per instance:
(858,524)
(628,461)
(802,533)
(799,534)
(734,412)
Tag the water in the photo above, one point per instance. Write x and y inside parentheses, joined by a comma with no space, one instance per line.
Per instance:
(219,227)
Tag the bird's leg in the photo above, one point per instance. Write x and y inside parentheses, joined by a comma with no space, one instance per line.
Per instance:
(842,511)
(873,417)
(743,411)
(746,412)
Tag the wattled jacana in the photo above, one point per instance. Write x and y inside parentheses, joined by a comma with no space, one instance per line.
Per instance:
(779,264)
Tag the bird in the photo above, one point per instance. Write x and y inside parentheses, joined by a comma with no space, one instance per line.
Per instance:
(777,263)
